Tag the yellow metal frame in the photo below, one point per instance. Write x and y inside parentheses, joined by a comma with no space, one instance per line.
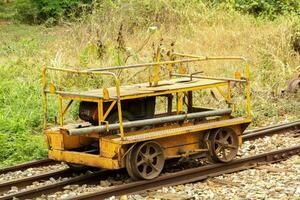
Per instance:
(133,138)
(61,113)
(114,150)
(169,64)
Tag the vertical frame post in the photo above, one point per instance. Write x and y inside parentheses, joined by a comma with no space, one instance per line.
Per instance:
(229,94)
(44,97)
(248,89)
(120,115)
(100,111)
(179,102)
(60,109)
(156,75)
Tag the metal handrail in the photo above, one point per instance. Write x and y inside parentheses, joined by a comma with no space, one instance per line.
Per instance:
(193,58)
(117,85)
(247,70)
(105,71)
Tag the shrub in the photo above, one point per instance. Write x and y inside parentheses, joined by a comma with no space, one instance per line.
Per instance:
(38,11)
(51,11)
(295,39)
(268,8)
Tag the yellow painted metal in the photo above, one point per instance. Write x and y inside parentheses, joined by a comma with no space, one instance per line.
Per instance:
(156,72)
(112,153)
(203,58)
(170,131)
(109,149)
(113,103)
(177,140)
(201,87)
(169,68)
(52,88)
(67,107)
(105,93)
(222,93)
(229,94)
(61,141)
(181,144)
(59,144)
(247,72)
(79,98)
(100,111)
(179,104)
(210,77)
(44,83)
(248,89)
(229,102)
(137,94)
(61,116)
(119,108)
(237,75)
(181,70)
(55,140)
(84,159)
(44,97)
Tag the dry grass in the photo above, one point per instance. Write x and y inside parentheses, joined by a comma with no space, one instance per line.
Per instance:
(199,31)
(265,43)
(194,29)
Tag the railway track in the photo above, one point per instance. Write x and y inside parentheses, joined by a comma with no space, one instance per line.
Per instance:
(271,130)
(57,186)
(31,164)
(185,176)
(193,175)
(22,182)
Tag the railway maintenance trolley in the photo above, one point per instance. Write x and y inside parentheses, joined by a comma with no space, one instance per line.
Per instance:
(120,127)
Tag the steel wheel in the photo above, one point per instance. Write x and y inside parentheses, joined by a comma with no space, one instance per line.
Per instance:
(223,145)
(146,161)
(129,168)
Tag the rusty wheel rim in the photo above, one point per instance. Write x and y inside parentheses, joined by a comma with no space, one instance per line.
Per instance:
(147,160)
(128,166)
(224,145)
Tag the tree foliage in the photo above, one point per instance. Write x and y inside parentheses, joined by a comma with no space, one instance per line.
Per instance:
(268,8)
(38,11)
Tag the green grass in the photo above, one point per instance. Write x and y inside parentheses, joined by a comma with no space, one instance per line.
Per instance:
(18,148)
(25,49)
(21,116)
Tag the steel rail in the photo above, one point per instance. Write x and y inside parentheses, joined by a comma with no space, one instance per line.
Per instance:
(22,182)
(57,186)
(23,166)
(193,175)
(270,130)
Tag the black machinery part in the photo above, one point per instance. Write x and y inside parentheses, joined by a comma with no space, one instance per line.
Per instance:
(142,108)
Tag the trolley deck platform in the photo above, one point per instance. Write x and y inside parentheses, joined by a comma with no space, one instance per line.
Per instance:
(164,87)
